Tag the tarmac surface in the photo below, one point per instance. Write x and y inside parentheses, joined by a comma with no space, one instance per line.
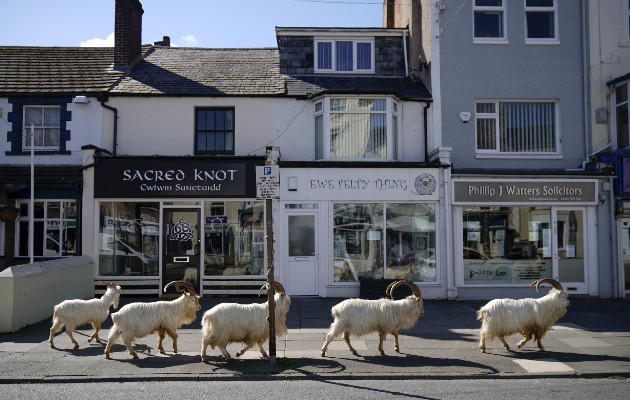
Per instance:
(591,340)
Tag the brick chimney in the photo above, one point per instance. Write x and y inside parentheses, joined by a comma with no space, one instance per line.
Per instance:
(127,33)
(166,41)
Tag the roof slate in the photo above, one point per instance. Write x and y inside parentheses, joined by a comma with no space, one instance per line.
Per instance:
(205,72)
(176,71)
(56,70)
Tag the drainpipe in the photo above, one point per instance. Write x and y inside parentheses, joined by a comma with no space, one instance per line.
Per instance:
(426,134)
(103,100)
(404,36)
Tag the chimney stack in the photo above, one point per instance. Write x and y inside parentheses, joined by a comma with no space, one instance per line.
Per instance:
(127,33)
(166,41)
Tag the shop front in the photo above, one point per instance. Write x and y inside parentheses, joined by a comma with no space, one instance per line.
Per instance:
(512,232)
(160,219)
(341,227)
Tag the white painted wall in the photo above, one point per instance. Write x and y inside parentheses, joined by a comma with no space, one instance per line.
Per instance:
(166,126)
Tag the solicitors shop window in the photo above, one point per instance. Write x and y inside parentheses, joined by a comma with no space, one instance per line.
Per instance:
(356,128)
(46,123)
(622,110)
(54,228)
(344,56)
(214,131)
(516,128)
(391,241)
(541,22)
(489,21)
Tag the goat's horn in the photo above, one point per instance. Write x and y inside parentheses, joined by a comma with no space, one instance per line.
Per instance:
(389,289)
(109,284)
(278,286)
(550,281)
(261,289)
(415,289)
(182,286)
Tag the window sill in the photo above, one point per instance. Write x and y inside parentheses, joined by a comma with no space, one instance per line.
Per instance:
(624,43)
(513,156)
(37,153)
(490,41)
(553,42)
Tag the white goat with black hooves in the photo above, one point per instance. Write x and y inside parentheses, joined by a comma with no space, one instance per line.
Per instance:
(77,312)
(529,317)
(136,320)
(359,317)
(228,323)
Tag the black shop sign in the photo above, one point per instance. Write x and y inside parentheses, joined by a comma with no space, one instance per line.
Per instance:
(174,178)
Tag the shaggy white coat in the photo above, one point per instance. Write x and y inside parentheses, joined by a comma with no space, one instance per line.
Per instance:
(360,317)
(136,320)
(529,317)
(228,323)
(77,312)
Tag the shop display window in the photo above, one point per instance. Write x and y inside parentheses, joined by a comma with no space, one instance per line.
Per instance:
(129,238)
(234,238)
(514,244)
(391,241)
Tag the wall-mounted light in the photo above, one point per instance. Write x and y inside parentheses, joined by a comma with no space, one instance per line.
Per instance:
(80,100)
(465,116)
(292,184)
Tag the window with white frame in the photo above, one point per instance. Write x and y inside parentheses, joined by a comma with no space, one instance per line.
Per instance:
(344,55)
(489,21)
(523,127)
(54,228)
(349,128)
(45,120)
(541,23)
(622,110)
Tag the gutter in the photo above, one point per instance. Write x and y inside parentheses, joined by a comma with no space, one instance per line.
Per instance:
(103,100)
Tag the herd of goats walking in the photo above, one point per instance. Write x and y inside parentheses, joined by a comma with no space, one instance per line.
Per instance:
(228,323)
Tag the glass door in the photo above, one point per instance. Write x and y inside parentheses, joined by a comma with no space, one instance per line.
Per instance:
(181,246)
(569,252)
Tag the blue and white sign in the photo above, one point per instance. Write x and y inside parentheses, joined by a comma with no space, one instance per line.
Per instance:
(268,182)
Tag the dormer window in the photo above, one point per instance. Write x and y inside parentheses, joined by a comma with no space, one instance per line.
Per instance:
(344,56)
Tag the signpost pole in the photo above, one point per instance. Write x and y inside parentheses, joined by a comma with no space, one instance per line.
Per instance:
(268,188)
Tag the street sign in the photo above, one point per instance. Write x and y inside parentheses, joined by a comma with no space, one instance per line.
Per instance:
(268,182)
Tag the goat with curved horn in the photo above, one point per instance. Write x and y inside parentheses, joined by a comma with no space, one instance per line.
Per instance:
(360,317)
(529,317)
(228,323)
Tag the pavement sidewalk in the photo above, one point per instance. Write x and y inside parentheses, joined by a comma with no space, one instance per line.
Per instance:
(591,340)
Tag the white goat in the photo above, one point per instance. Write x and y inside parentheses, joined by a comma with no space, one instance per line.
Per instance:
(243,323)
(77,312)
(529,317)
(136,320)
(359,317)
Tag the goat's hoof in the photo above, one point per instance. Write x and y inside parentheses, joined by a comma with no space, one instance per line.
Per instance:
(323,354)
(76,346)
(483,350)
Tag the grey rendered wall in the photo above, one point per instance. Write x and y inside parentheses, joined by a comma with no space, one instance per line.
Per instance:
(29,292)
(511,71)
